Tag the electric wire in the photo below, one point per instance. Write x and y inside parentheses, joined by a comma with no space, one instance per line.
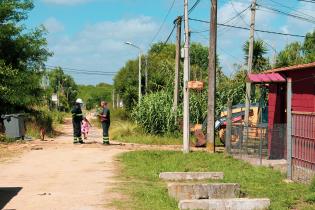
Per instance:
(245,28)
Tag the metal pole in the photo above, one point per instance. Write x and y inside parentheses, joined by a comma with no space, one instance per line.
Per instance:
(177,62)
(289,127)
(228,134)
(249,64)
(212,78)
(186,79)
(140,76)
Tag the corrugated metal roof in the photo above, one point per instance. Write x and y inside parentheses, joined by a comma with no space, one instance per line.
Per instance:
(266,78)
(290,68)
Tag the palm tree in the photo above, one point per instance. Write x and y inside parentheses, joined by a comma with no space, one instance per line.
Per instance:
(259,61)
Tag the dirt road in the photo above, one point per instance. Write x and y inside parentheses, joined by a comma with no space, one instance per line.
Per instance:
(59,175)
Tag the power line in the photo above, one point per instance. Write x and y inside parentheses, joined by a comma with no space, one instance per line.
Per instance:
(161,26)
(287,14)
(194,6)
(83,71)
(245,28)
(291,8)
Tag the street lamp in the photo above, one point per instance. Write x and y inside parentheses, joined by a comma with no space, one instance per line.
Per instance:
(140,54)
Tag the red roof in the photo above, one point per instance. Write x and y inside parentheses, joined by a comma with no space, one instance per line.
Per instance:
(266,78)
(290,68)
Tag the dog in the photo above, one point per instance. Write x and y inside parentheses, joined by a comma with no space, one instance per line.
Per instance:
(42,134)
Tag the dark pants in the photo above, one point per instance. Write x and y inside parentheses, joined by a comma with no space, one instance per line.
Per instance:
(105,126)
(76,130)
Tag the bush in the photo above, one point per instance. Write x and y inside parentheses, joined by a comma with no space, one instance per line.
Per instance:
(119,114)
(38,119)
(310,198)
(312,185)
(155,114)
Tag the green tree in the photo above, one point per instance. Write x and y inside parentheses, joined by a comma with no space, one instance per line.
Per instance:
(64,85)
(22,53)
(260,62)
(298,53)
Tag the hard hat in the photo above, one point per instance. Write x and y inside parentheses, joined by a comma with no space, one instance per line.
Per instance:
(79,101)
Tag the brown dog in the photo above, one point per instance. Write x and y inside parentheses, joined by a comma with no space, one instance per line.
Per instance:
(42,134)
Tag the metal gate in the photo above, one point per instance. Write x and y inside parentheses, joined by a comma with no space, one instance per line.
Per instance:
(303,146)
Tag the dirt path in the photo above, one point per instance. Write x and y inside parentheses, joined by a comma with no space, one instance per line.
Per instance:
(59,175)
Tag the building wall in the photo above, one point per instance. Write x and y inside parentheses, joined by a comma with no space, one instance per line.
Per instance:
(303,100)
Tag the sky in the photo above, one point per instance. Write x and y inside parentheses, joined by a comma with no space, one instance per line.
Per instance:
(90,34)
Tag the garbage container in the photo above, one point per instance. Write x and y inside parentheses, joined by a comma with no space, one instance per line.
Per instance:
(14,125)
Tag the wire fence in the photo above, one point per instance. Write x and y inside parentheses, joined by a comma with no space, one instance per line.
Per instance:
(254,142)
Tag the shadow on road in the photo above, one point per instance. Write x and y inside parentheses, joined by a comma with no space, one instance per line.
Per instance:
(7,193)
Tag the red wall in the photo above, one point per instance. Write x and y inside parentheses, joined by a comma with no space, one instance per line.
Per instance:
(303,100)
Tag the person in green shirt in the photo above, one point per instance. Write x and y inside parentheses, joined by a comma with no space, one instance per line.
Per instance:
(77,117)
(105,120)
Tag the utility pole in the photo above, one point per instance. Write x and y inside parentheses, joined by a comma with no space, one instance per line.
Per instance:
(186,131)
(139,74)
(250,65)
(177,62)
(212,78)
(146,74)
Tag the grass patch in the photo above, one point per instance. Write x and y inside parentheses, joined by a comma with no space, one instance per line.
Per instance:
(128,132)
(145,191)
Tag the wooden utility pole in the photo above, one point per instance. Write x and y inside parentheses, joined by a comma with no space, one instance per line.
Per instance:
(212,78)
(177,62)
(250,65)
(186,131)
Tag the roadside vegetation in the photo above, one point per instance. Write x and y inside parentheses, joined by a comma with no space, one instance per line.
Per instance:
(143,190)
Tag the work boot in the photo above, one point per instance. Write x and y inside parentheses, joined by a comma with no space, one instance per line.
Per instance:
(81,141)
(75,140)
(106,140)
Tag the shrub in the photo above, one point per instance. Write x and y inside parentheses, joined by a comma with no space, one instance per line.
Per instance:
(312,185)
(310,198)
(155,114)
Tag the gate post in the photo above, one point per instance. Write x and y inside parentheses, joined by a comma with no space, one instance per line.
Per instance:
(289,127)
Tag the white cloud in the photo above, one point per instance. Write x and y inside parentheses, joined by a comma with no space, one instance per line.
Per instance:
(66,2)
(101,46)
(53,25)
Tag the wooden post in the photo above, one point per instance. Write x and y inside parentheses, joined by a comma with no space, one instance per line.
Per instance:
(289,127)
(177,62)
(113,98)
(212,78)
(228,131)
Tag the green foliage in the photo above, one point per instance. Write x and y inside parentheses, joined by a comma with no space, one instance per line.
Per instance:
(310,198)
(65,86)
(155,114)
(260,63)
(298,53)
(142,168)
(312,185)
(22,53)
(93,95)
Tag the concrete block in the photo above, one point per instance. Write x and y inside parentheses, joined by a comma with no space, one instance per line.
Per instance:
(181,176)
(203,191)
(226,204)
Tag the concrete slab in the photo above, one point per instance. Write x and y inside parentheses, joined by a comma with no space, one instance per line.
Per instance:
(182,176)
(203,191)
(226,204)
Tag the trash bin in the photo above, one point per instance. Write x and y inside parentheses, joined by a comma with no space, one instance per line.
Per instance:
(14,125)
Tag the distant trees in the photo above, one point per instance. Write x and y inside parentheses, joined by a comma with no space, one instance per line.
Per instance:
(260,62)
(93,95)
(298,53)
(22,54)
(64,86)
